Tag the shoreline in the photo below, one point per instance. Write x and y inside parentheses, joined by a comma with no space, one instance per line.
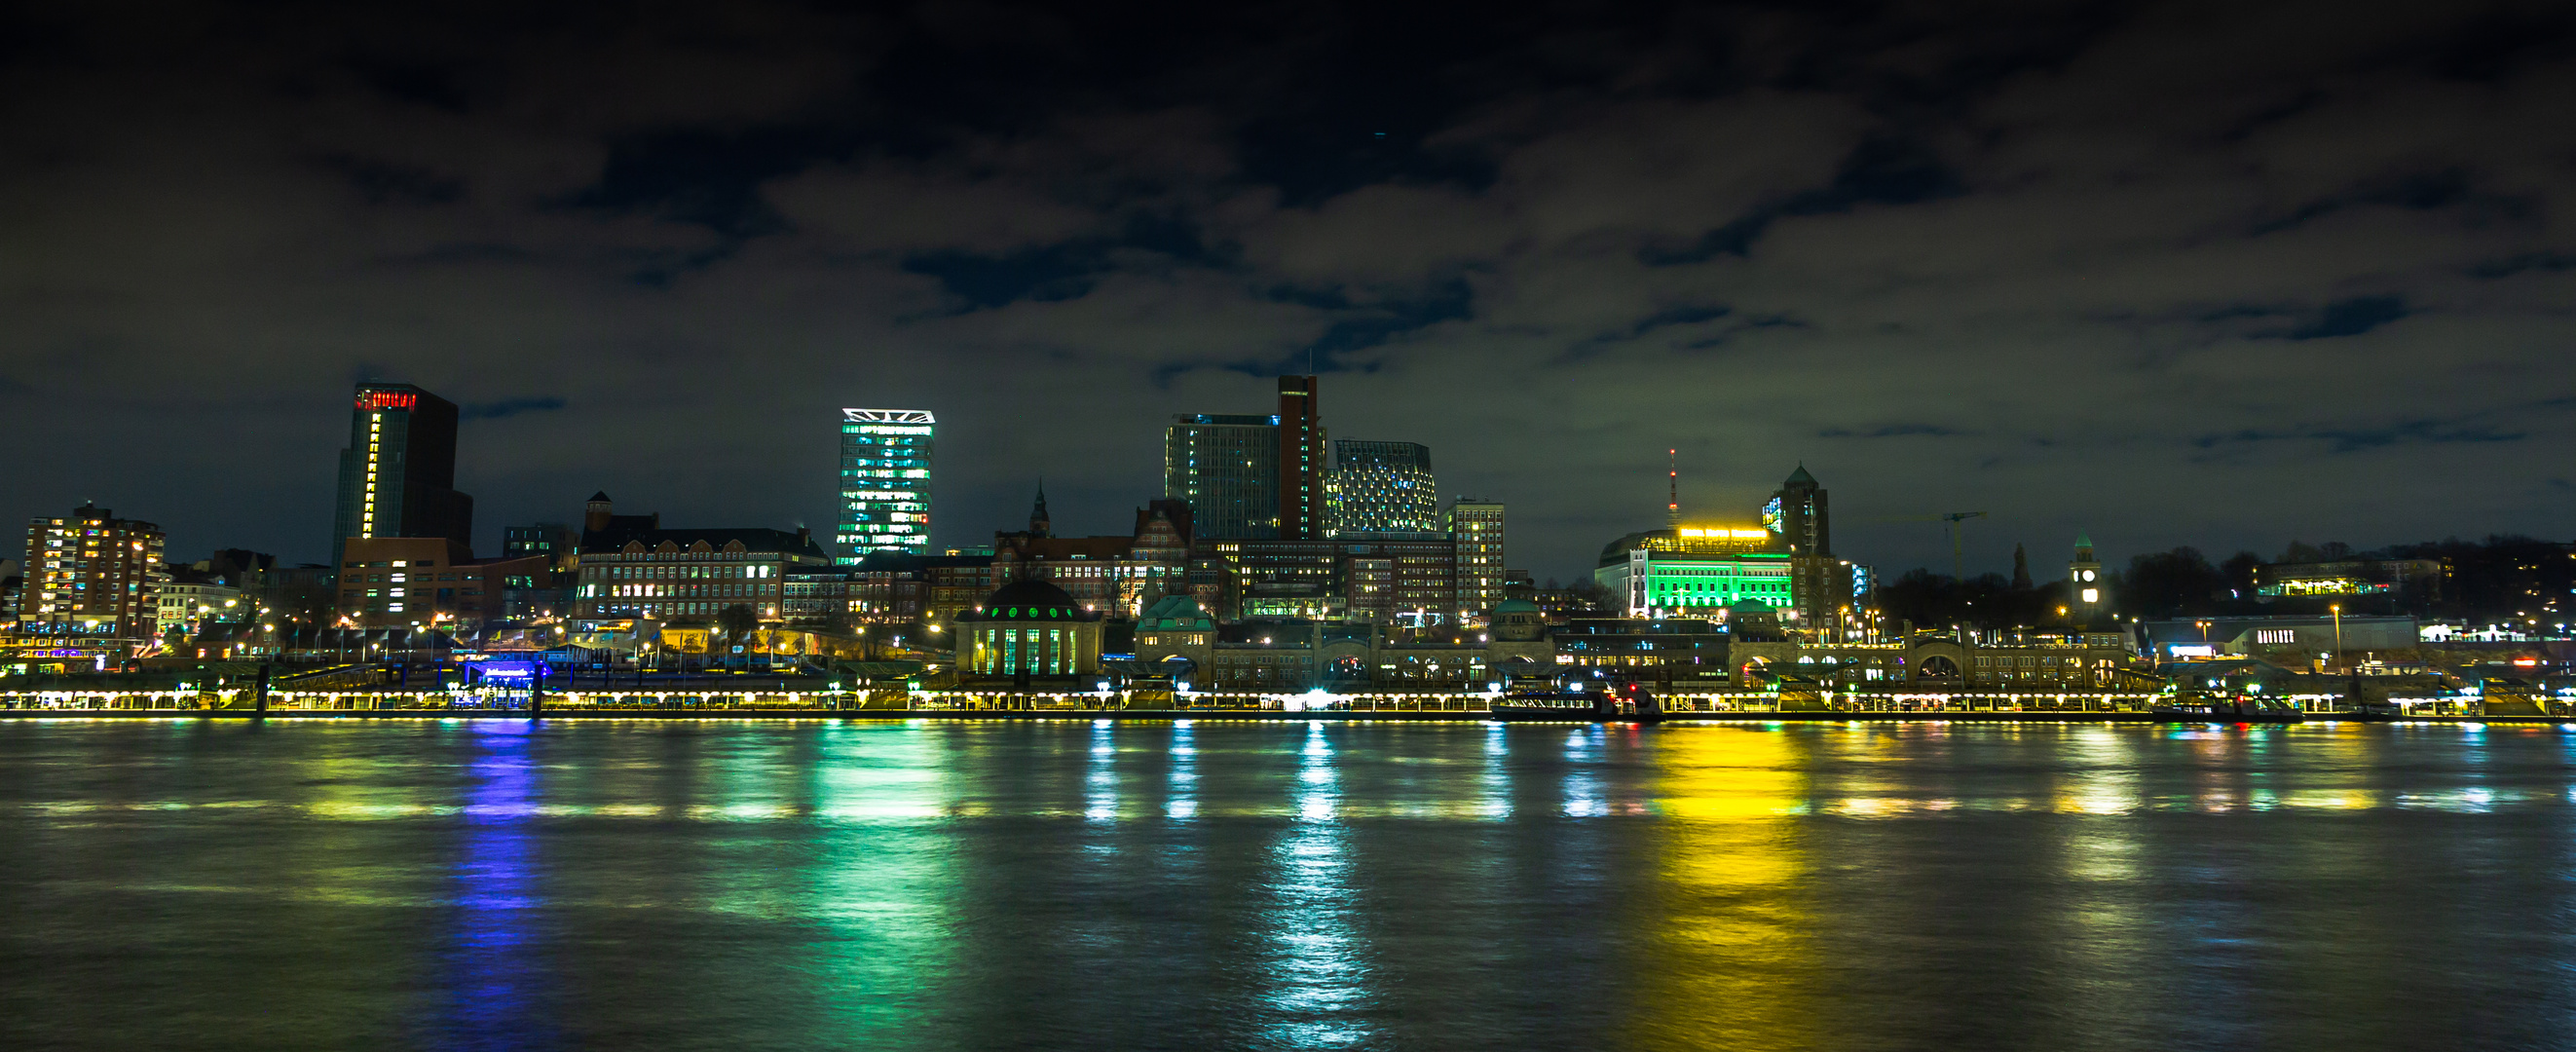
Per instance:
(1170,715)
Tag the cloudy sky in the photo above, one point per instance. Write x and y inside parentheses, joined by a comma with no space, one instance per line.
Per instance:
(2212,273)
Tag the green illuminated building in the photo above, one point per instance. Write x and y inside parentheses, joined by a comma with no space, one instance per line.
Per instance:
(1696,571)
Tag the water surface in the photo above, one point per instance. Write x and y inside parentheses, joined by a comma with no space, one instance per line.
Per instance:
(974,885)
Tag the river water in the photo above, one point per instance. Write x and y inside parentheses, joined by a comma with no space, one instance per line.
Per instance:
(1003,885)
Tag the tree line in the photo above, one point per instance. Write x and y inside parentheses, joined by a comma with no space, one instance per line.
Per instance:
(2498,579)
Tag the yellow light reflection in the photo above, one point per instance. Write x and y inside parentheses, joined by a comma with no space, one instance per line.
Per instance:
(1732,960)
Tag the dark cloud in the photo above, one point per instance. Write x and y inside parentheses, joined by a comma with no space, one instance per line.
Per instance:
(2221,274)
(1879,171)
(387,182)
(1894,431)
(2357,439)
(2351,317)
(509,407)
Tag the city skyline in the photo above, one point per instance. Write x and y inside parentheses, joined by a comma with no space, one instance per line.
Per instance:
(1945,258)
(1747,506)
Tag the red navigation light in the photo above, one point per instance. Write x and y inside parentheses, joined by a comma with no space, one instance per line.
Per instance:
(387,400)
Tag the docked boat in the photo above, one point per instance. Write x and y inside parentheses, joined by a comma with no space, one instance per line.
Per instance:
(1565,706)
(1555,706)
(2210,708)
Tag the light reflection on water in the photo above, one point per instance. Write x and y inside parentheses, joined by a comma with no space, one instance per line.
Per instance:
(460,884)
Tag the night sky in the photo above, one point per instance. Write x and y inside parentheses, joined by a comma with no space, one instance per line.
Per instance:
(2222,274)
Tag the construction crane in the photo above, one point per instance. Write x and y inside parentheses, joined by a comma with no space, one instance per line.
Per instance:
(1958,565)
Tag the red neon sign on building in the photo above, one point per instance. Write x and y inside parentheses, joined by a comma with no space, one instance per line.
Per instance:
(387,400)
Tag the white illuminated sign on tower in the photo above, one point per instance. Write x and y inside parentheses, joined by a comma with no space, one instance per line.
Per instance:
(885,481)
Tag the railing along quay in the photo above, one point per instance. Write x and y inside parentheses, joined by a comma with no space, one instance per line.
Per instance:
(885,704)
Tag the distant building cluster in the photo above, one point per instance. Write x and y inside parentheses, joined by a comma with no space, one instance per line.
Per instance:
(1275,558)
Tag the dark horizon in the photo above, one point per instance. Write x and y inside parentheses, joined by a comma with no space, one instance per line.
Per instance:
(2165,274)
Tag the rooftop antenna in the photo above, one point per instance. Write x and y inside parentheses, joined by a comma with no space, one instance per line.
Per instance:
(1673,479)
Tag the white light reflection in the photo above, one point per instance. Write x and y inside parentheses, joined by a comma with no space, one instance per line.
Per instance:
(1317,968)
(1585,796)
(1181,800)
(1100,782)
(1497,780)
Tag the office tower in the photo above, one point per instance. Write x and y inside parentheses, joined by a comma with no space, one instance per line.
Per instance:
(91,574)
(1477,528)
(885,482)
(1302,467)
(1797,513)
(398,476)
(1383,487)
(1227,469)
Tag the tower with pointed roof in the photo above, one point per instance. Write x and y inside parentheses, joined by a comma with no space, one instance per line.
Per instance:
(1039,524)
(1797,513)
(2088,597)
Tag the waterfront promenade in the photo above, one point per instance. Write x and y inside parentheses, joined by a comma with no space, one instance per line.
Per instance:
(1362,710)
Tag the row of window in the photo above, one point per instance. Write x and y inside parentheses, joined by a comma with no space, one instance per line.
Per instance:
(694,573)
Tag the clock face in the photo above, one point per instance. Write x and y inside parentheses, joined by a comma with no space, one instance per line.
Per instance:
(2088,575)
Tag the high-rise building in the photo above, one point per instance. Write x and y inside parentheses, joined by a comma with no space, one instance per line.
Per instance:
(1828,590)
(398,476)
(1382,487)
(91,574)
(1477,528)
(1797,513)
(885,482)
(1303,515)
(1227,469)
(1253,477)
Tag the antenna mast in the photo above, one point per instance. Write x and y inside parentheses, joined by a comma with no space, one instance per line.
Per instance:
(1673,479)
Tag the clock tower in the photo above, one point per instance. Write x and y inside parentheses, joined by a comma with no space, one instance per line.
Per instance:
(2088,597)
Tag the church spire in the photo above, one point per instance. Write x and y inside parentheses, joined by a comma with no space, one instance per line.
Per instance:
(1039,525)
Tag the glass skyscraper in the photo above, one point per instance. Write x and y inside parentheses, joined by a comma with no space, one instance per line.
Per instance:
(1227,468)
(885,482)
(1383,487)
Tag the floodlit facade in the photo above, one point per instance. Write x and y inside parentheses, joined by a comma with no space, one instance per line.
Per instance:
(1695,571)
(1029,628)
(885,482)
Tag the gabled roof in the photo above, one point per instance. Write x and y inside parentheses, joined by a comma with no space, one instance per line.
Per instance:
(754,539)
(1175,612)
